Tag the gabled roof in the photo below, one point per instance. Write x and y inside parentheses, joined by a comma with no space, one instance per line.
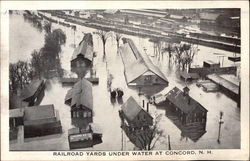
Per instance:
(131,108)
(81,94)
(137,63)
(31,89)
(176,97)
(209,16)
(85,48)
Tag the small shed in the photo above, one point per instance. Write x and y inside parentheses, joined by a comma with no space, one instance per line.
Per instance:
(210,64)
(134,115)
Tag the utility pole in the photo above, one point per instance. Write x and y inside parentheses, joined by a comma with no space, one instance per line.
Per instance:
(220,122)
(169,146)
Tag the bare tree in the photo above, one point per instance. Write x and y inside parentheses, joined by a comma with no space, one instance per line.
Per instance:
(47,27)
(118,37)
(104,35)
(146,137)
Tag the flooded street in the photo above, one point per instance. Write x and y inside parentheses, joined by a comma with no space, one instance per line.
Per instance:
(23,42)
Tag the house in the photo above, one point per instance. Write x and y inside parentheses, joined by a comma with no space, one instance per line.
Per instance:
(138,68)
(33,93)
(186,108)
(80,99)
(40,121)
(83,55)
(134,116)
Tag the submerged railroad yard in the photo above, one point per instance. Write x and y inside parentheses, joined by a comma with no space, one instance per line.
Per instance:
(131,90)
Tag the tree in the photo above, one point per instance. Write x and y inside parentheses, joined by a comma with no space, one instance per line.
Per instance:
(150,136)
(47,27)
(37,63)
(104,35)
(20,74)
(118,37)
(146,137)
(169,49)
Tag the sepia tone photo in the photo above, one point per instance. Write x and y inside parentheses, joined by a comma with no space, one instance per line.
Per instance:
(125,79)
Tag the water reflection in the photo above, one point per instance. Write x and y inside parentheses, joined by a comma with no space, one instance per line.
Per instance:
(193,131)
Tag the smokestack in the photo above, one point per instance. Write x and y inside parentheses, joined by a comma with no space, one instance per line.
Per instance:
(143,103)
(147,107)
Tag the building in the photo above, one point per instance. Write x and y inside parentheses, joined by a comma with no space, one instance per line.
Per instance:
(83,55)
(80,99)
(134,116)
(210,64)
(138,68)
(15,120)
(33,93)
(40,121)
(178,18)
(186,108)
(230,89)
(79,138)
(208,18)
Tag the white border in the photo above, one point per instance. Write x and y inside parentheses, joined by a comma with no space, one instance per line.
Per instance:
(242,154)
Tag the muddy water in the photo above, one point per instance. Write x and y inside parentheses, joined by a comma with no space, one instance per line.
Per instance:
(106,113)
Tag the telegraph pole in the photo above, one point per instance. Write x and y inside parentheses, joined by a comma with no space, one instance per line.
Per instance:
(169,146)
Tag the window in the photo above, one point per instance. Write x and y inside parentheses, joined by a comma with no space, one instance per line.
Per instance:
(84,114)
(148,78)
(89,114)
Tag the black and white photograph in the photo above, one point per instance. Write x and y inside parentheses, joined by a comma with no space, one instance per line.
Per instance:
(125,79)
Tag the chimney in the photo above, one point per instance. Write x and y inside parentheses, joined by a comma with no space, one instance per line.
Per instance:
(143,103)
(147,106)
(186,91)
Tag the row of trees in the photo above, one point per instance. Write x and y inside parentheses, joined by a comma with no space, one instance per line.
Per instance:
(42,62)
(181,54)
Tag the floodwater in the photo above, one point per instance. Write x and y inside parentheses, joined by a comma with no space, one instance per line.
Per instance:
(106,113)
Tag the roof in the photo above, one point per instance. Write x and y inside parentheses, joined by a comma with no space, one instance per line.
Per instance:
(211,62)
(131,108)
(209,16)
(31,89)
(85,48)
(137,63)
(39,112)
(111,11)
(142,13)
(223,82)
(176,97)
(81,94)
(16,112)
(179,17)
(69,80)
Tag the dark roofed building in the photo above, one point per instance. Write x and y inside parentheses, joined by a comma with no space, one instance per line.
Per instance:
(33,93)
(139,69)
(83,54)
(135,116)
(188,110)
(80,99)
(40,121)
